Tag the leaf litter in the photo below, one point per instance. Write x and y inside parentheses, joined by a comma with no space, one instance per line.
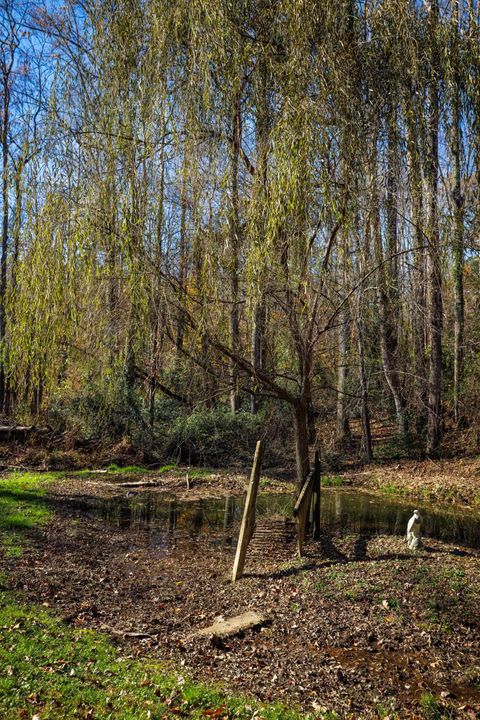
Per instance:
(358,624)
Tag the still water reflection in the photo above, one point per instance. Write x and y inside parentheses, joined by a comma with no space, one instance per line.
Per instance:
(342,511)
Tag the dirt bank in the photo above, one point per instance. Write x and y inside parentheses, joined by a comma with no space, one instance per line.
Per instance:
(455,481)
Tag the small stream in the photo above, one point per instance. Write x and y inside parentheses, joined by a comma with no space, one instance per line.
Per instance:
(342,512)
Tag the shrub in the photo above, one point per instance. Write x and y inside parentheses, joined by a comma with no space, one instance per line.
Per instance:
(214,437)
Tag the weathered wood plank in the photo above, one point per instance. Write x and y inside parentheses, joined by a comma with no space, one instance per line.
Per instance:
(304,494)
(316,497)
(248,520)
(233,625)
(302,509)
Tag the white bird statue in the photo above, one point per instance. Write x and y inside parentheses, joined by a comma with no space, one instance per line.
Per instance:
(413,531)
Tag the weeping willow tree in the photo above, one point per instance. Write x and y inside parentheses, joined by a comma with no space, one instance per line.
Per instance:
(272,247)
(224,189)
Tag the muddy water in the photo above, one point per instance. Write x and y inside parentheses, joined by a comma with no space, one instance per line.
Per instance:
(342,511)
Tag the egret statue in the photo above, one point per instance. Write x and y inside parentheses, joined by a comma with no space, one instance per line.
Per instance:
(413,531)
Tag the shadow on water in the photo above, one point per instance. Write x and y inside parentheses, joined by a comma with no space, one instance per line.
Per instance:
(342,512)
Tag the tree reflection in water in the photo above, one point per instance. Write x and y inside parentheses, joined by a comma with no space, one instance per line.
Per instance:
(343,511)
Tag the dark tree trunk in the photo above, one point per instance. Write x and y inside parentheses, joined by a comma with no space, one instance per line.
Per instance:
(5,229)
(458,244)
(235,246)
(418,305)
(182,259)
(157,304)
(300,425)
(433,267)
(387,332)
(343,425)
(257,351)
(366,430)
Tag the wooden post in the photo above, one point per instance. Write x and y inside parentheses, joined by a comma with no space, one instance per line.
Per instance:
(248,520)
(316,497)
(302,509)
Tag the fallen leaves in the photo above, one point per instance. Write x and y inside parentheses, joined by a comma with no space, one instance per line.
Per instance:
(345,634)
(220,712)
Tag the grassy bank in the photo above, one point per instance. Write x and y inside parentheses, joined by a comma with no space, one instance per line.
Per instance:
(55,671)
(22,507)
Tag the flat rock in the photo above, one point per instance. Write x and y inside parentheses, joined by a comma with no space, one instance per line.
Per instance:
(234,625)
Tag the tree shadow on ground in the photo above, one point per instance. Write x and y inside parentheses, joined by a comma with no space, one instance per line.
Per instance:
(361,545)
(328,555)
(24,512)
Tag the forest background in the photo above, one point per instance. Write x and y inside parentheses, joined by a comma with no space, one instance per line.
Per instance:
(238,219)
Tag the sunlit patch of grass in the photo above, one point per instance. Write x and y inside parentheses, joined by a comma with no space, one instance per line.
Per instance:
(113,468)
(61,673)
(433,708)
(22,507)
(199,473)
(331,481)
(390,489)
(456,578)
(385,712)
(83,473)
(356,591)
(336,574)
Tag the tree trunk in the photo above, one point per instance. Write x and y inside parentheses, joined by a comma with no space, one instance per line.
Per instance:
(152,383)
(433,255)
(387,333)
(366,429)
(182,260)
(257,351)
(157,300)
(418,305)
(262,149)
(5,218)
(300,426)
(458,244)
(343,426)
(235,244)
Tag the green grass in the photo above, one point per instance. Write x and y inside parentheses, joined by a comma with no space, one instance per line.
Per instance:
(331,481)
(128,469)
(166,468)
(58,672)
(133,469)
(199,473)
(112,469)
(22,507)
(389,489)
(433,709)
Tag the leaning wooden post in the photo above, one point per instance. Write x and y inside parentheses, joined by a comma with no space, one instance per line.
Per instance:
(302,509)
(248,520)
(316,497)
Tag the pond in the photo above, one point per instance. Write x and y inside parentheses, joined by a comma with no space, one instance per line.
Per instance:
(342,511)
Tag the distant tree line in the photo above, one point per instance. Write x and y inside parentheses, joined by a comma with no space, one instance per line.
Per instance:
(242,202)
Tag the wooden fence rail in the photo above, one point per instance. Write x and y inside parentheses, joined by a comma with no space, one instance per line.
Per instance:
(248,520)
(308,502)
